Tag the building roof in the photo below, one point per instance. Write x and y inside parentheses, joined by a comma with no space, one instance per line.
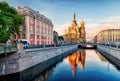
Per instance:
(108,30)
(28,11)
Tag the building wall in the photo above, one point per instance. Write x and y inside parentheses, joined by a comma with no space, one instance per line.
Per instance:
(110,35)
(39,29)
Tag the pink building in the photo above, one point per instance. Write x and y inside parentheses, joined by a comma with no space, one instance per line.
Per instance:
(37,28)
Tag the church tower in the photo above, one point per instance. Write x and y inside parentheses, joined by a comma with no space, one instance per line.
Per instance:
(74,17)
(75,33)
(82,31)
(74,23)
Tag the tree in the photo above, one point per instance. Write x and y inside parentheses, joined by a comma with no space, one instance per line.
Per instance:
(10,21)
(60,38)
(55,36)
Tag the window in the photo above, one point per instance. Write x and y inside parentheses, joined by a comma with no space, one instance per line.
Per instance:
(31,20)
(37,29)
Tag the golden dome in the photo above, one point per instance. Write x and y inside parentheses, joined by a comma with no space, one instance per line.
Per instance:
(82,23)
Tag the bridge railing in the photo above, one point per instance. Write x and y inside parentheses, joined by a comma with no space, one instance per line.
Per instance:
(44,46)
(5,48)
(111,45)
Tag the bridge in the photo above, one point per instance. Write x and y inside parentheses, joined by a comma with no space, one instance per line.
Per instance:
(87,45)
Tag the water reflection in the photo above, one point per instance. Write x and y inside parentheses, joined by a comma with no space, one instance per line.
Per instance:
(44,75)
(75,58)
(103,59)
(94,66)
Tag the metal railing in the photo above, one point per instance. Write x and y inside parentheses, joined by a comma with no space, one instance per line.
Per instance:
(44,46)
(5,48)
(111,45)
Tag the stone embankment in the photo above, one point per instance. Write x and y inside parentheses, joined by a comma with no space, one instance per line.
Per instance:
(33,60)
(113,54)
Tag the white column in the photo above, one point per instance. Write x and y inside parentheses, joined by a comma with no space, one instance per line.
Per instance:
(27,18)
(44,35)
(43,32)
(47,33)
(35,33)
(40,32)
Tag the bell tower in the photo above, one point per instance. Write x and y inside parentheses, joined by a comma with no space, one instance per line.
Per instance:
(82,31)
(74,23)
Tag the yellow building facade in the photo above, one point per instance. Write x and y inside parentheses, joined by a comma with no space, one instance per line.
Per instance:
(74,33)
(109,35)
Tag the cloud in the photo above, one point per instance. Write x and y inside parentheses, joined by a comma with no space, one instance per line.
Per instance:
(90,27)
(112,20)
(61,28)
(110,26)
(98,25)
(89,20)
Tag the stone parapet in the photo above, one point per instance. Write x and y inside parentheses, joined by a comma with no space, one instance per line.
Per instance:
(27,58)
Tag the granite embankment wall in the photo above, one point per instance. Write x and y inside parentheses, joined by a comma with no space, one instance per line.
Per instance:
(35,60)
(113,54)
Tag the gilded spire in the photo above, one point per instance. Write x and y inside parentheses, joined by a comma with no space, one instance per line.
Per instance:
(74,16)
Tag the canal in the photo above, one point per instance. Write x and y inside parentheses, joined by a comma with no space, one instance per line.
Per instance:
(82,65)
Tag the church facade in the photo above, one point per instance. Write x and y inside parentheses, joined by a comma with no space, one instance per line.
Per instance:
(75,33)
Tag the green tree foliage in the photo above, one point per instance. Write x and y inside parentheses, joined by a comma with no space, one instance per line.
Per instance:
(3,35)
(60,38)
(10,21)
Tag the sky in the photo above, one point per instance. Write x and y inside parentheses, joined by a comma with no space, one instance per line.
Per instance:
(97,14)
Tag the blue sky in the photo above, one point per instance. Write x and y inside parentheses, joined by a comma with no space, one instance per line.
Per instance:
(94,12)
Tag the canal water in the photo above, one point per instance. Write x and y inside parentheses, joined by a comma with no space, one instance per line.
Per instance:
(82,65)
